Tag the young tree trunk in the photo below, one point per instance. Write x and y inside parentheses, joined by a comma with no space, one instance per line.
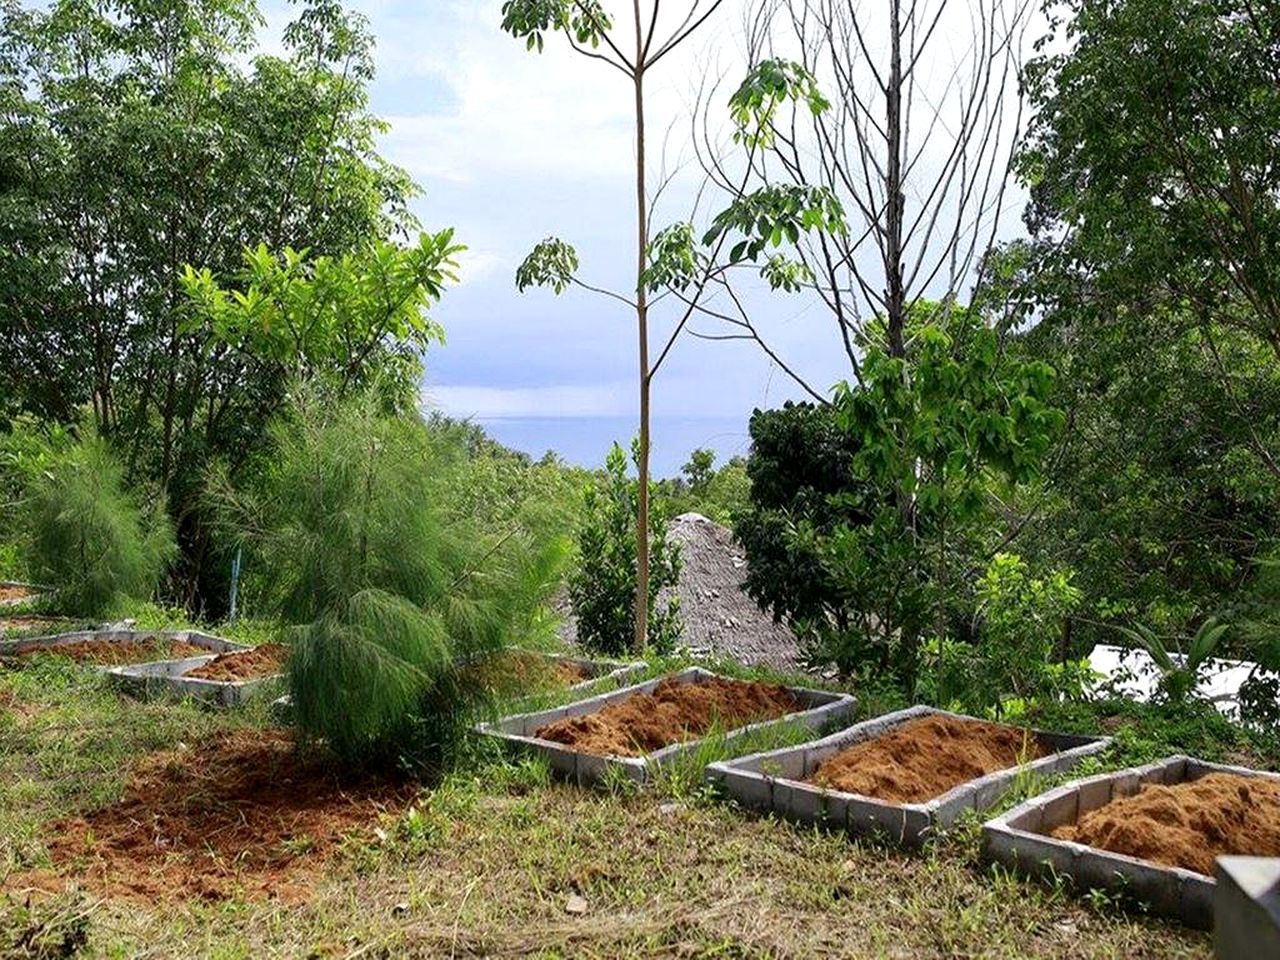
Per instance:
(642,327)
(895,201)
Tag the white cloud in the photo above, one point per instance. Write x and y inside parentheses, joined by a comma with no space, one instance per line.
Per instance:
(475,265)
(552,401)
(529,114)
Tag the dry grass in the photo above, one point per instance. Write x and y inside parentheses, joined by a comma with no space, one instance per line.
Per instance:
(499,861)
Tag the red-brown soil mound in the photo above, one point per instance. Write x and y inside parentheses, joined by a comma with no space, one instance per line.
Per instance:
(264,661)
(925,758)
(672,713)
(1188,824)
(245,813)
(108,653)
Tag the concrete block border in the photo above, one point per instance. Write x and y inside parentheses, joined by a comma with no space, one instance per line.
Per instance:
(215,645)
(167,679)
(1020,840)
(1246,908)
(771,782)
(820,707)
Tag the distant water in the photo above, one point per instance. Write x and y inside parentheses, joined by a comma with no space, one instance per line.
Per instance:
(584,441)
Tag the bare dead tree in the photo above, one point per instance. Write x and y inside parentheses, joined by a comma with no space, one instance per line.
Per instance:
(917,147)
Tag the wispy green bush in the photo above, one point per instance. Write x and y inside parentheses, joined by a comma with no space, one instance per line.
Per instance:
(364,540)
(88,536)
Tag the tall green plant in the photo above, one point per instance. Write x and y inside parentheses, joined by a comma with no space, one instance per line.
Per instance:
(88,537)
(943,433)
(1179,672)
(361,537)
(602,588)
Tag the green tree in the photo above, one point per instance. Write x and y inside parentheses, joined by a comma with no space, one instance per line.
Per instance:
(136,138)
(671,259)
(699,470)
(603,585)
(945,434)
(800,463)
(1149,280)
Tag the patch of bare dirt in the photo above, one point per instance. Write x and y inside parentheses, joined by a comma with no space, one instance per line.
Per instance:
(264,661)
(672,713)
(1187,825)
(246,814)
(925,758)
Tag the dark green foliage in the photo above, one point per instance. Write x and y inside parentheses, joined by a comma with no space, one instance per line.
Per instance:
(1150,275)
(1159,495)
(799,461)
(602,587)
(138,137)
(1145,732)
(701,488)
(88,536)
(899,515)
(361,536)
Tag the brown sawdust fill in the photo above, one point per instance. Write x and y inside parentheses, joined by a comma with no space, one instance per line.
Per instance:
(109,653)
(1187,824)
(925,758)
(244,814)
(14,594)
(673,712)
(263,661)
(518,671)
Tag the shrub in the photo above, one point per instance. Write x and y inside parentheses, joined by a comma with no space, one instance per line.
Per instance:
(89,538)
(364,540)
(602,588)
(1008,659)
(799,460)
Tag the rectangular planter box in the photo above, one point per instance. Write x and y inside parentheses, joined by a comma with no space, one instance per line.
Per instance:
(36,592)
(1020,840)
(215,645)
(595,670)
(166,679)
(819,708)
(772,782)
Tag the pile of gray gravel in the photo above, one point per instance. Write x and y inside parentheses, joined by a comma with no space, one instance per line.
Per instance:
(720,620)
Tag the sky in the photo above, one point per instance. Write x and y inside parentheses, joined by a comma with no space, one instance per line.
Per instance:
(511,146)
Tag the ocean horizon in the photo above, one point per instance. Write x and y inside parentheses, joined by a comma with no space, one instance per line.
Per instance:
(584,441)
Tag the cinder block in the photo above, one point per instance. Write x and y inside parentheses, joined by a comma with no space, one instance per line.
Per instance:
(1246,908)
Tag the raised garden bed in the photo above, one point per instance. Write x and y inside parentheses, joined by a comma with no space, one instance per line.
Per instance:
(103,648)
(647,724)
(227,679)
(31,624)
(534,671)
(1164,823)
(14,593)
(903,775)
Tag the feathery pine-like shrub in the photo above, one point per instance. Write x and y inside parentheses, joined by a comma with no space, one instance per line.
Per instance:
(365,542)
(88,537)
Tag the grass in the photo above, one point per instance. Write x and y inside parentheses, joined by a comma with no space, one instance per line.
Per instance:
(486,864)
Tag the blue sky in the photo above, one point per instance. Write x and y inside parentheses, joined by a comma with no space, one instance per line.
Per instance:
(510,147)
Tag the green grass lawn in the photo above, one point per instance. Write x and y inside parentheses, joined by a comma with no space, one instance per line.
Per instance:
(499,860)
